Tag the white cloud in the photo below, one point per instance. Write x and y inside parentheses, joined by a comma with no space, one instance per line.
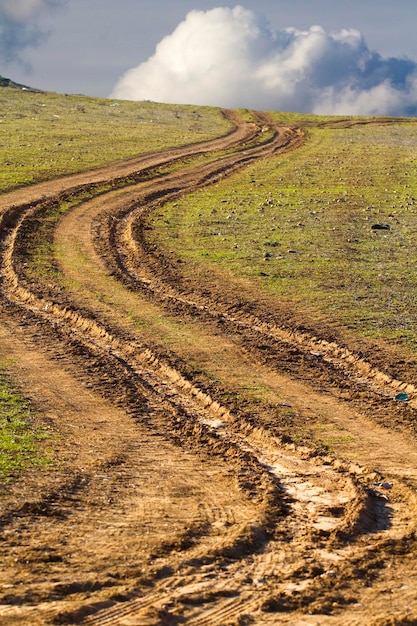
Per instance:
(232,57)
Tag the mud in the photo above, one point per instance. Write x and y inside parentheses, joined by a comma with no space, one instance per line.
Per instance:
(171,502)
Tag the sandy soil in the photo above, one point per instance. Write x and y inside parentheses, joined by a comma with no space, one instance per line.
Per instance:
(168,503)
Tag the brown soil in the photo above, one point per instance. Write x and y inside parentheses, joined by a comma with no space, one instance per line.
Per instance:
(172,499)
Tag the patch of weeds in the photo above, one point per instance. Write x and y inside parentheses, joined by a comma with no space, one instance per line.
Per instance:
(19,438)
(330,443)
(330,438)
(139,321)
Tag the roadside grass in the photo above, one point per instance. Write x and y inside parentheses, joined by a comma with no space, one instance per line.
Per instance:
(19,437)
(46,135)
(299,226)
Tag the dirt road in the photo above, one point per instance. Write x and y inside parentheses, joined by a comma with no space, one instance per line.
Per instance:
(172,502)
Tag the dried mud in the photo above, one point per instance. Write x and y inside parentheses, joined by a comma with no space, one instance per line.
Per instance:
(169,501)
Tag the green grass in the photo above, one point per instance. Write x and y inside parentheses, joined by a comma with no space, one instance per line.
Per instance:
(39,254)
(300,226)
(46,135)
(19,438)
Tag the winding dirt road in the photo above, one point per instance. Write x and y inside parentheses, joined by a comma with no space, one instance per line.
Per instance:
(171,502)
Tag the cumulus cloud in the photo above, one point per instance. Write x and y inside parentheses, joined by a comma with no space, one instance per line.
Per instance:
(19,28)
(232,57)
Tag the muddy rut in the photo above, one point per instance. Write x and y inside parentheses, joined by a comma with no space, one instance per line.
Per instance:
(170,502)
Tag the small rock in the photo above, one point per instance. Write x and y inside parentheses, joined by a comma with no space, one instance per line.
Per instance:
(380,227)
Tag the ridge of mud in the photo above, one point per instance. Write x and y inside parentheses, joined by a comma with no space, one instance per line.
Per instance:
(127,254)
(140,361)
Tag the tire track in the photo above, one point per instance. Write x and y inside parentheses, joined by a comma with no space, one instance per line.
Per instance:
(135,271)
(93,337)
(145,369)
(294,497)
(122,242)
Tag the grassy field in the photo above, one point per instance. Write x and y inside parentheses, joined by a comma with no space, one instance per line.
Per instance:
(45,135)
(303,226)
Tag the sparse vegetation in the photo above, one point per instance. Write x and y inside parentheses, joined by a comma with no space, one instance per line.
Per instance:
(300,225)
(19,437)
(46,135)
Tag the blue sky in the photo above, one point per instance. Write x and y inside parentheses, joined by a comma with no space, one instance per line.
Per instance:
(86,46)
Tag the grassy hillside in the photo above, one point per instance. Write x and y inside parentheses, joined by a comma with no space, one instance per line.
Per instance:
(304,227)
(46,135)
